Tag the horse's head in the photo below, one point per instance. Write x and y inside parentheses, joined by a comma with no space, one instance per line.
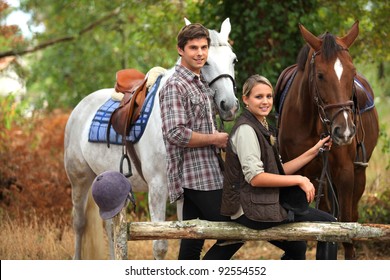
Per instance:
(219,72)
(331,81)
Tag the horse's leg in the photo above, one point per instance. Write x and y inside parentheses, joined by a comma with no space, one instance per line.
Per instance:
(346,184)
(359,187)
(84,208)
(158,194)
(79,200)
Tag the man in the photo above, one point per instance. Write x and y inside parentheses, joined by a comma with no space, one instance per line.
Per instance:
(191,141)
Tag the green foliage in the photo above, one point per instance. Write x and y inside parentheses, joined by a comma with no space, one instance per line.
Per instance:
(265,34)
(10,35)
(142,35)
(265,37)
(11,112)
(372,44)
(376,209)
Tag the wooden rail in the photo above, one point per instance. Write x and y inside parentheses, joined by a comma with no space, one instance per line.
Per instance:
(200,229)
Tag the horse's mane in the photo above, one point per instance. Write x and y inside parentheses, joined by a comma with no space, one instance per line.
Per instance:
(328,50)
(216,41)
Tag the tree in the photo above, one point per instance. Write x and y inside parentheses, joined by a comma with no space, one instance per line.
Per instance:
(142,34)
(10,38)
(266,36)
(100,37)
(10,35)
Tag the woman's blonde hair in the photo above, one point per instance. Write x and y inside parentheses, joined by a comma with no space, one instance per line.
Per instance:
(254,80)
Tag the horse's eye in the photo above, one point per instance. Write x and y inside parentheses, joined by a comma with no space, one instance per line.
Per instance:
(320,76)
(235,61)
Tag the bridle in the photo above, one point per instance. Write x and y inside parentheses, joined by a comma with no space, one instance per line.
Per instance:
(323,108)
(224,76)
(221,124)
(221,128)
(327,121)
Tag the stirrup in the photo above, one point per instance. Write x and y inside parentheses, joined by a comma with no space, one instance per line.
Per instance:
(361,156)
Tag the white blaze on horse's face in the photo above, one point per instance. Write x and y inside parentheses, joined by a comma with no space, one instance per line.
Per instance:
(219,72)
(349,131)
(343,128)
(338,68)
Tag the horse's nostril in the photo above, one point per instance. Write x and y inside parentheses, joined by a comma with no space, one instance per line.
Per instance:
(336,131)
(353,130)
(223,106)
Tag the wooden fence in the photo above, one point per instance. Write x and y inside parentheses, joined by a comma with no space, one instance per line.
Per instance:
(200,229)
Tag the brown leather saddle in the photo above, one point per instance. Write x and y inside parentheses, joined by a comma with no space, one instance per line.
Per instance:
(132,83)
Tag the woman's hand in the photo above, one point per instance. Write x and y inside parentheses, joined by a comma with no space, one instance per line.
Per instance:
(308,188)
(324,143)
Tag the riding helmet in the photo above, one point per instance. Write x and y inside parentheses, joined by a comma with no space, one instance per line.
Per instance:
(111,190)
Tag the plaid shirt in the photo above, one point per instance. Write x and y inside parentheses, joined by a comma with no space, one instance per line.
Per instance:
(185,102)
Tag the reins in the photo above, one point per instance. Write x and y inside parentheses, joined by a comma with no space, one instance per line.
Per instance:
(325,173)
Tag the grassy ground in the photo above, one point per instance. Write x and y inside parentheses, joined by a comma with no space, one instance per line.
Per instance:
(36,239)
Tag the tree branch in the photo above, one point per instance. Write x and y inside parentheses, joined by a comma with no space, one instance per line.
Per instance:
(48,43)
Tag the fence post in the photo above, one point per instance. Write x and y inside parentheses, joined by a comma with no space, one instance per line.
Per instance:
(120,235)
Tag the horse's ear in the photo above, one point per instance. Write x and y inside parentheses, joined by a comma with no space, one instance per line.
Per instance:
(312,40)
(352,35)
(225,29)
(187,21)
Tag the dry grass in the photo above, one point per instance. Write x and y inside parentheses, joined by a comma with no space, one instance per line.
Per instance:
(35,239)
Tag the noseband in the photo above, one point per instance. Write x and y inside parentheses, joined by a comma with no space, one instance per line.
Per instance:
(224,76)
(322,107)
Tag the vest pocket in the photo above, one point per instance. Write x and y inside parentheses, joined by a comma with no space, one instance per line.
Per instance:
(262,204)
(264,196)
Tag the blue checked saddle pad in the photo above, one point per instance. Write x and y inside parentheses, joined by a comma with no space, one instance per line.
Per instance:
(98,128)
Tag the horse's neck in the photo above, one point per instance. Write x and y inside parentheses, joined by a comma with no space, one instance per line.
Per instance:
(302,108)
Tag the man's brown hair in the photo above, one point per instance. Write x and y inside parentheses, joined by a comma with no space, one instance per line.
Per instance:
(192,31)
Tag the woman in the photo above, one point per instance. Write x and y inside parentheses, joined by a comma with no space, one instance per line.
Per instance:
(260,191)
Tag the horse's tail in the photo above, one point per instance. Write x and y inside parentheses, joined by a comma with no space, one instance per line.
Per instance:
(94,244)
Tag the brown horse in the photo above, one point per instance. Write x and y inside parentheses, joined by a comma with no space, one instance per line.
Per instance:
(326,96)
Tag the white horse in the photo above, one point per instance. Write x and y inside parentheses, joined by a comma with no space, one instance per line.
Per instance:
(85,160)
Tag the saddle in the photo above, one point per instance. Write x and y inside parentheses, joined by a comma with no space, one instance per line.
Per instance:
(280,88)
(132,84)
(364,100)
